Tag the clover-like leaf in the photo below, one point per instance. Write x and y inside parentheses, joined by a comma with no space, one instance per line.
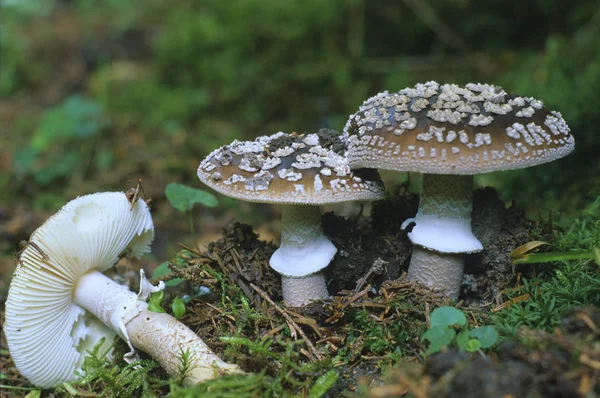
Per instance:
(447,316)
(183,198)
(438,337)
(486,335)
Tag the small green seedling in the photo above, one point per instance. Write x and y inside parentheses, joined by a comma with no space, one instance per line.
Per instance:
(449,325)
(323,384)
(185,364)
(178,307)
(183,198)
(155,300)
(155,304)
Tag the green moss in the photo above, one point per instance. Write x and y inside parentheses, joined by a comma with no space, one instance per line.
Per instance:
(551,289)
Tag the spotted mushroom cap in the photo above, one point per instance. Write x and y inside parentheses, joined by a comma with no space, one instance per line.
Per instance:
(289,169)
(449,129)
(48,334)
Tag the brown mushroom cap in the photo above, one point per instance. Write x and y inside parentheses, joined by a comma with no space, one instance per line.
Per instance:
(448,129)
(289,169)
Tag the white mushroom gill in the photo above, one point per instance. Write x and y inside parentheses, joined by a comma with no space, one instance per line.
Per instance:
(303,253)
(442,232)
(60,304)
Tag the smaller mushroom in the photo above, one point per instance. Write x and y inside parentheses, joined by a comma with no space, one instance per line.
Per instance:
(300,172)
(60,304)
(449,133)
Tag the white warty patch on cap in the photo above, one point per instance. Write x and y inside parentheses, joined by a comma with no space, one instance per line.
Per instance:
(48,335)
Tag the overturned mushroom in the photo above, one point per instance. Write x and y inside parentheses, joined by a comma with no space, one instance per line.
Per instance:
(300,172)
(60,304)
(450,133)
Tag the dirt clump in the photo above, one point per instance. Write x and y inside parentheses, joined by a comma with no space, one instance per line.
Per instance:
(240,256)
(500,230)
(373,243)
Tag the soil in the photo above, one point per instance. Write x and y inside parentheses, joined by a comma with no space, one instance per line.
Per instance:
(500,230)
(361,242)
(375,242)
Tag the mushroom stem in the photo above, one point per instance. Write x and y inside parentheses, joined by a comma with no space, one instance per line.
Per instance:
(299,291)
(166,339)
(439,271)
(443,232)
(303,253)
(160,335)
(447,196)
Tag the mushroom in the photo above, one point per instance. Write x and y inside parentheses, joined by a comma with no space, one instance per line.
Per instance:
(450,133)
(60,304)
(299,172)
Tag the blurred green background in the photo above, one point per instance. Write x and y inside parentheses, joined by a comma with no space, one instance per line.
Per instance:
(94,94)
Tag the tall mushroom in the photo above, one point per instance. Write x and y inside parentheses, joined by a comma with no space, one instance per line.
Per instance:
(450,133)
(300,172)
(60,304)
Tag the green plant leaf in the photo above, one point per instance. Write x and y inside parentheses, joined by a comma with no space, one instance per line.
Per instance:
(521,251)
(462,339)
(70,389)
(163,270)
(447,316)
(183,198)
(178,308)
(473,345)
(438,337)
(154,302)
(548,257)
(77,116)
(323,384)
(486,335)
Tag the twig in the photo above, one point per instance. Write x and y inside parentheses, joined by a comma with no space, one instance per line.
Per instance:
(377,268)
(289,320)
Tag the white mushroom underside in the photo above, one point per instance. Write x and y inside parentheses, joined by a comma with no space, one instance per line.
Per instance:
(48,334)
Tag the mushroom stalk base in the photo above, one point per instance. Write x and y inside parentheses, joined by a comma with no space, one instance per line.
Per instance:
(442,233)
(300,291)
(160,335)
(303,253)
(166,339)
(438,271)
